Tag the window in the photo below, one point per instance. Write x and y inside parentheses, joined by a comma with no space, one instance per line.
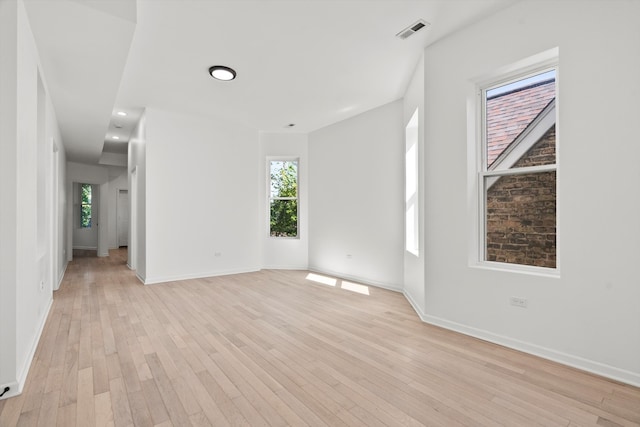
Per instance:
(517,177)
(411,223)
(85,205)
(283,198)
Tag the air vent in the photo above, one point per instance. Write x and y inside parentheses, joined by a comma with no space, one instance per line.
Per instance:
(412,29)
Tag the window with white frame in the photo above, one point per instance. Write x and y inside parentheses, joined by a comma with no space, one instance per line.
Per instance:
(517,176)
(411,223)
(283,198)
(86,208)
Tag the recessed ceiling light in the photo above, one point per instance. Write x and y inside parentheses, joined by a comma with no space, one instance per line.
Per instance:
(115,137)
(221,72)
(121,113)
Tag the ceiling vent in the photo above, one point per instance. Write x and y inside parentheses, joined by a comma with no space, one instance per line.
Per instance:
(412,29)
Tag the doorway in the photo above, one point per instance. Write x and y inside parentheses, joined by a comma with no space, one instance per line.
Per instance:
(122,218)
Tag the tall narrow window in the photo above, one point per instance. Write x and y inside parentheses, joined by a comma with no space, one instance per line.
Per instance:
(283,198)
(411,186)
(518,174)
(85,206)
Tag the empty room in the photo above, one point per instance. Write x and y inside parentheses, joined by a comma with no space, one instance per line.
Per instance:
(319,213)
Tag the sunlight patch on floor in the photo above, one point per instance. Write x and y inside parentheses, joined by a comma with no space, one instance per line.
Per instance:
(344,284)
(355,287)
(321,279)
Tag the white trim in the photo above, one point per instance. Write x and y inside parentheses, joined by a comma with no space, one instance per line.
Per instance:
(518,70)
(476,151)
(413,303)
(578,362)
(412,202)
(86,248)
(270,159)
(140,278)
(61,277)
(519,171)
(14,390)
(518,268)
(357,279)
(178,277)
(22,377)
(285,267)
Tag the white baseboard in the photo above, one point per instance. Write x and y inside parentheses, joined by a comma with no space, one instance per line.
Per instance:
(356,279)
(164,279)
(86,248)
(140,277)
(61,277)
(285,267)
(578,362)
(414,304)
(16,388)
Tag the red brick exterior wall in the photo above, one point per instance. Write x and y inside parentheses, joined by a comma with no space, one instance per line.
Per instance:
(521,211)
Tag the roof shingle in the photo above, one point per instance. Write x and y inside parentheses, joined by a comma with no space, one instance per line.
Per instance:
(509,114)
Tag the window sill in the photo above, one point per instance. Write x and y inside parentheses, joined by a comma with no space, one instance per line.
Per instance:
(520,269)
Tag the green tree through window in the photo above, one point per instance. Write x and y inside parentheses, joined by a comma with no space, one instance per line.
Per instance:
(85,206)
(283,198)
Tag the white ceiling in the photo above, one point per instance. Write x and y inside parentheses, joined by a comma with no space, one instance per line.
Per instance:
(83,46)
(307,62)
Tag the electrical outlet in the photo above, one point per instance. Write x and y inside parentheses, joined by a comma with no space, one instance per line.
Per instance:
(41,285)
(518,302)
(217,254)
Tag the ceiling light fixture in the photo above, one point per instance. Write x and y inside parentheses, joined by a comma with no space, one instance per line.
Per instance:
(115,137)
(220,72)
(121,113)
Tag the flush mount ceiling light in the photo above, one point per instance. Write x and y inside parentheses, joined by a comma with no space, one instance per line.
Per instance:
(115,137)
(220,72)
(121,113)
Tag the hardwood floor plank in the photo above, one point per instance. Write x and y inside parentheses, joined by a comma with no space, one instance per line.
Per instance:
(49,409)
(272,348)
(120,403)
(154,402)
(85,400)
(66,416)
(171,400)
(104,410)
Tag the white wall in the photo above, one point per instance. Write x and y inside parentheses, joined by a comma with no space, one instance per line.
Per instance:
(27,248)
(8,192)
(136,172)
(202,197)
(356,197)
(414,264)
(284,252)
(589,317)
(58,196)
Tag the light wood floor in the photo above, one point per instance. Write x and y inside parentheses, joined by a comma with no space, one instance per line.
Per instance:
(272,348)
